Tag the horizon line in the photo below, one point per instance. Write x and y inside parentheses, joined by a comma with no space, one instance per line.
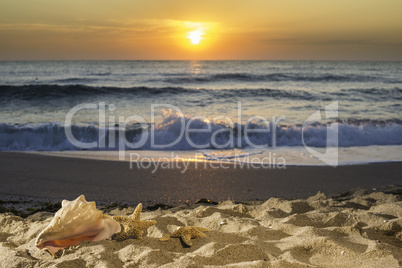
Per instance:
(284,60)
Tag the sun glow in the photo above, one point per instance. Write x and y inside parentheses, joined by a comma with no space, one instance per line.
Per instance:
(195,36)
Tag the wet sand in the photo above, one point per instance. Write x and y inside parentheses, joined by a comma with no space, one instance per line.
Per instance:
(31,177)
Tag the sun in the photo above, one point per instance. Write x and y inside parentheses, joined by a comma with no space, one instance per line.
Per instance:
(195,36)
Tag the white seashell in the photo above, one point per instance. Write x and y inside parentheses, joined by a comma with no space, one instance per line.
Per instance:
(76,221)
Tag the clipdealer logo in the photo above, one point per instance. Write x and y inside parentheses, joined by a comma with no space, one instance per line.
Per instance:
(112,137)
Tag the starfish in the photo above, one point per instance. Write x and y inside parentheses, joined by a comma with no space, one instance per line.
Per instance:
(132,226)
(186,233)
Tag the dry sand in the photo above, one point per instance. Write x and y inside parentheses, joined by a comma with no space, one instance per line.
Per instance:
(357,229)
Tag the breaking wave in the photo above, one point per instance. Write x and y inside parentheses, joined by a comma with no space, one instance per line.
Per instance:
(170,135)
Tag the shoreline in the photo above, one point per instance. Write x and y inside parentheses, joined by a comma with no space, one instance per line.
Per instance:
(289,156)
(34,177)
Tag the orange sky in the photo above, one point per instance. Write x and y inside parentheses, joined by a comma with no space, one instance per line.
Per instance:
(158,29)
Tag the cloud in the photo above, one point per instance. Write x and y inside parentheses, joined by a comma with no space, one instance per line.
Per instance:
(112,26)
(53,27)
(329,42)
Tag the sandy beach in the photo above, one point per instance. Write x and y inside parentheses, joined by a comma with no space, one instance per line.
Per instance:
(358,229)
(201,134)
(297,217)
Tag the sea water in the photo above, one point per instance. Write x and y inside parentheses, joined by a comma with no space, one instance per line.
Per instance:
(243,109)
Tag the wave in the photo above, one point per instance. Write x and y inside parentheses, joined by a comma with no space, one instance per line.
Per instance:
(101,74)
(377,93)
(32,92)
(166,135)
(273,77)
(76,80)
(40,92)
(48,92)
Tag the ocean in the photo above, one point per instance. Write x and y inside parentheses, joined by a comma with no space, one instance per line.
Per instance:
(204,110)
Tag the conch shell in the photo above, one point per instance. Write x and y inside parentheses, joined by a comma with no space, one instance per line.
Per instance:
(76,221)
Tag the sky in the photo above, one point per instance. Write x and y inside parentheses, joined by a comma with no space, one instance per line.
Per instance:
(225,29)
